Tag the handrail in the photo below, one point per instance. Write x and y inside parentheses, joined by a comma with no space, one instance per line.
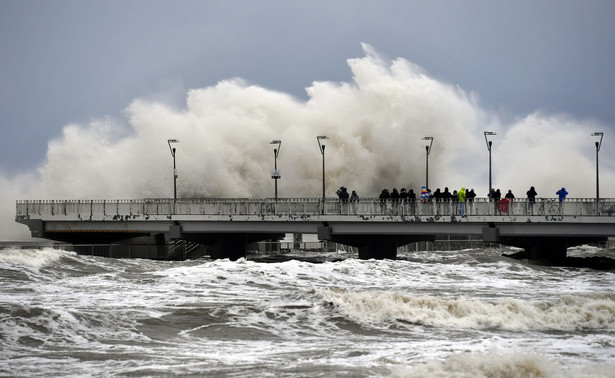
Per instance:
(86,209)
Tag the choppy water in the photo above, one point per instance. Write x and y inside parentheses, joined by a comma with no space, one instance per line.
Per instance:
(463,313)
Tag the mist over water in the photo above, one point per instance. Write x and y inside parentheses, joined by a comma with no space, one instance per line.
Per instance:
(375,124)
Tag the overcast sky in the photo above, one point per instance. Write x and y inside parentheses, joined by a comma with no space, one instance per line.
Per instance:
(68,62)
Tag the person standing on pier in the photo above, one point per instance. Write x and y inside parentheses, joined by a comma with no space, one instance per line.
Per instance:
(470,195)
(424,194)
(384,198)
(412,200)
(510,197)
(342,193)
(562,193)
(354,198)
(403,198)
(531,199)
(461,195)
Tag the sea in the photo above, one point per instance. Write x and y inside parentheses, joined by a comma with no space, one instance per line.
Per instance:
(464,313)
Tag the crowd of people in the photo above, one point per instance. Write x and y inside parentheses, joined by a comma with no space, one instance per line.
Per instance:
(458,197)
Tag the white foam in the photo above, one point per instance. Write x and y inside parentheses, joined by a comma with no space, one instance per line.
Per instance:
(566,313)
(485,365)
(35,258)
(510,364)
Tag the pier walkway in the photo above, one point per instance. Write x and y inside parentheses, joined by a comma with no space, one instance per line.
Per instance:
(544,228)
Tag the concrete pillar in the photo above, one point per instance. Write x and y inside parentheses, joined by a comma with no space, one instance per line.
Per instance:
(231,246)
(548,251)
(379,247)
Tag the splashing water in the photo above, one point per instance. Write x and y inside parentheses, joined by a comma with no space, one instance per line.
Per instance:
(375,124)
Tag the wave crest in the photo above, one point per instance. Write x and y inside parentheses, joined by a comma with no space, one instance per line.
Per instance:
(34,258)
(566,313)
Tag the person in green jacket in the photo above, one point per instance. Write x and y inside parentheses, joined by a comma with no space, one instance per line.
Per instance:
(461,195)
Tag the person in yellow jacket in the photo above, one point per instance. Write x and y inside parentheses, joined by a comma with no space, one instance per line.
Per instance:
(461,195)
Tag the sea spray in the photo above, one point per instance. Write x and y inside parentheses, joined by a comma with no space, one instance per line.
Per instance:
(375,124)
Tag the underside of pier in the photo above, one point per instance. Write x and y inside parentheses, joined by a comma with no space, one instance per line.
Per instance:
(372,246)
(541,249)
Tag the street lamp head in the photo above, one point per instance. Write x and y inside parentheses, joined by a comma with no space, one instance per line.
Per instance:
(488,142)
(276,151)
(428,147)
(172,149)
(598,134)
(321,145)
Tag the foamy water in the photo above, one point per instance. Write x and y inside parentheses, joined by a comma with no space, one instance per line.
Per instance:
(462,313)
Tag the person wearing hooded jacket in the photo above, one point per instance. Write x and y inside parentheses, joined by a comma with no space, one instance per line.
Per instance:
(531,199)
(461,195)
(470,195)
(562,193)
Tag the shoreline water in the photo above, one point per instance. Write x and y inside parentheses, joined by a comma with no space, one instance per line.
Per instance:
(471,312)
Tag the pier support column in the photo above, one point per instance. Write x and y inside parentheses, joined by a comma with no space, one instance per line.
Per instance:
(379,248)
(231,246)
(371,246)
(551,251)
(547,250)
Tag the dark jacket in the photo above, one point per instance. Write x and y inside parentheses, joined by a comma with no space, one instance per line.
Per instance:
(531,194)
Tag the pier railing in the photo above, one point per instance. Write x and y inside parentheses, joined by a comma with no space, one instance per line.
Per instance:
(86,209)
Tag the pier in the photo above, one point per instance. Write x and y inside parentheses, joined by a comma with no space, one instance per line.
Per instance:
(544,229)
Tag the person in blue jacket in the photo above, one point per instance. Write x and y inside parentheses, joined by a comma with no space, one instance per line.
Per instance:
(562,193)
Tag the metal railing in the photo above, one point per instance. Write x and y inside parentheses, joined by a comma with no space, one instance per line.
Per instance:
(133,209)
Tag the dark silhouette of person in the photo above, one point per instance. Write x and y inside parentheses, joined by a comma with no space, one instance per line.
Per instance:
(403,195)
(531,198)
(531,194)
(446,195)
(394,195)
(470,195)
(509,195)
(354,198)
(495,196)
(412,200)
(437,195)
(384,198)
(491,194)
(342,193)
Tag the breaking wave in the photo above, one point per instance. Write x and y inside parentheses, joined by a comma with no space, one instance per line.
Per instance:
(34,258)
(511,365)
(566,313)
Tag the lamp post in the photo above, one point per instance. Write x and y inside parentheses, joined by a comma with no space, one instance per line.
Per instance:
(321,146)
(174,168)
(427,151)
(489,143)
(598,144)
(276,174)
